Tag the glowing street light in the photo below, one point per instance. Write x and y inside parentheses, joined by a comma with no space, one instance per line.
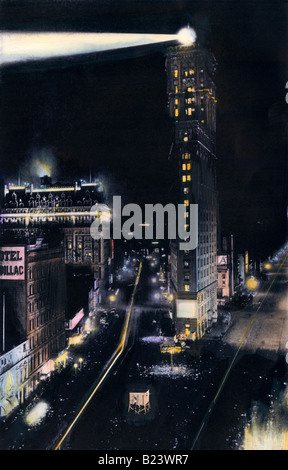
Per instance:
(252,283)
(37,414)
(75,365)
(80,360)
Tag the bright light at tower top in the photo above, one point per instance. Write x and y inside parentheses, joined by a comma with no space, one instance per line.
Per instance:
(186,36)
(20,46)
(16,47)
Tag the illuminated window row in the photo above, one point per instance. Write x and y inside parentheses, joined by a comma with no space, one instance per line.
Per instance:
(186,156)
(191,72)
(186,72)
(186,166)
(186,178)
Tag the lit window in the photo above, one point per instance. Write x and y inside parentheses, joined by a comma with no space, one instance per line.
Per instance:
(202,121)
(184,166)
(186,202)
(191,71)
(185,138)
(176,112)
(186,190)
(188,166)
(186,215)
(176,89)
(186,287)
(187,155)
(176,101)
(184,178)
(188,177)
(175,73)
(186,73)
(189,111)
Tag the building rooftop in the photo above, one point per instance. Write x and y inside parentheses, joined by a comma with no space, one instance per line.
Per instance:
(49,195)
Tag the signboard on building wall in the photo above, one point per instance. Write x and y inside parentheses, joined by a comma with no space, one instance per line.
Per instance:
(187,308)
(222,260)
(12,263)
(75,320)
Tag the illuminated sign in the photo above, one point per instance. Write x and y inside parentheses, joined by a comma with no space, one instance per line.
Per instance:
(12,263)
(222,260)
(187,308)
(75,320)
(246,262)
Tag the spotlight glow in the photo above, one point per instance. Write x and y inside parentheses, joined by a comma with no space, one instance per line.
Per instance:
(17,47)
(186,36)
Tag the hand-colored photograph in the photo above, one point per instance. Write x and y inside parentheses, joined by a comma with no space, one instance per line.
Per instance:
(143,227)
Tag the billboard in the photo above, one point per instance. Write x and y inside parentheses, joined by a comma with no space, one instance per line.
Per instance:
(186,308)
(12,263)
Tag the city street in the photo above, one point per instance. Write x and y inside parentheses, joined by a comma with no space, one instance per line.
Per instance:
(64,391)
(182,393)
(197,397)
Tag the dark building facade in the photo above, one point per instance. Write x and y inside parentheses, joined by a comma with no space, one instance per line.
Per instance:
(33,300)
(192,106)
(64,214)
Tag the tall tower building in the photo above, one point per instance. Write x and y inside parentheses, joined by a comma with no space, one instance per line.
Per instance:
(192,105)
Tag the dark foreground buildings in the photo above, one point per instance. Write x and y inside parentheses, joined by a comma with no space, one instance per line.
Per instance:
(48,264)
(192,105)
(33,301)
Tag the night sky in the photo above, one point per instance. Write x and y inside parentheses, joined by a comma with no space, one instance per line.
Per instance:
(108,111)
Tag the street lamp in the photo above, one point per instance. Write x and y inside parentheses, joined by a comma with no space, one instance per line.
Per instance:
(80,360)
(75,368)
(252,283)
